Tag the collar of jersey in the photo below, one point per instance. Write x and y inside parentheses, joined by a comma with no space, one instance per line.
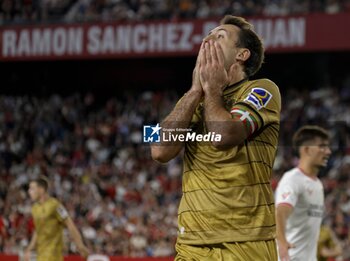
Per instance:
(233,87)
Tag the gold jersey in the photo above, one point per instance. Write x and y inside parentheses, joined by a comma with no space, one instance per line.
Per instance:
(227,196)
(49,223)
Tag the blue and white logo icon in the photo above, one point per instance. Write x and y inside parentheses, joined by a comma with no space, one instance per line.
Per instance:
(151,133)
(259,97)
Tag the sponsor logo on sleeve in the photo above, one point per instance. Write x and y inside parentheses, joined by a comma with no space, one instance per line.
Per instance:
(258,97)
(62,212)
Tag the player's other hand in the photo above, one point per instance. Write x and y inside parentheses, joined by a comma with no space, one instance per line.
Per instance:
(283,248)
(83,251)
(196,83)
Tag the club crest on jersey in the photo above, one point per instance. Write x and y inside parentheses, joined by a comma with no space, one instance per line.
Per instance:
(259,97)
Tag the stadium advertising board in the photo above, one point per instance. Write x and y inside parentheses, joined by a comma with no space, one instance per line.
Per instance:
(92,258)
(317,32)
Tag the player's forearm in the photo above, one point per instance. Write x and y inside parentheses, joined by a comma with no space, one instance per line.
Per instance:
(180,117)
(281,231)
(77,239)
(32,243)
(281,221)
(328,252)
(74,233)
(219,120)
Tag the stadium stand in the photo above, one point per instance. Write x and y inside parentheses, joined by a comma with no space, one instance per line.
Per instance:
(34,11)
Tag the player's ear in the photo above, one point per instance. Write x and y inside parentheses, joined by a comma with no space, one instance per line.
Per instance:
(303,150)
(243,54)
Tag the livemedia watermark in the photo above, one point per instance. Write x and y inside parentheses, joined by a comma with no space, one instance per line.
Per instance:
(157,134)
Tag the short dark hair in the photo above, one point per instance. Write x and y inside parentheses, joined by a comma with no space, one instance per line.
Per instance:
(308,133)
(42,182)
(250,40)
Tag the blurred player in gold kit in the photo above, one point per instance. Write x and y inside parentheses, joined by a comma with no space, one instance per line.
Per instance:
(328,245)
(227,207)
(50,218)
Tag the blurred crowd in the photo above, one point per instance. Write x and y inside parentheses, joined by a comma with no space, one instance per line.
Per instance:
(122,201)
(34,11)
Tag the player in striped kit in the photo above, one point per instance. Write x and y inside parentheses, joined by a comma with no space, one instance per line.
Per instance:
(227,207)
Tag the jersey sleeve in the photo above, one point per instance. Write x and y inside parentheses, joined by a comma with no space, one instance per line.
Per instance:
(287,192)
(61,212)
(258,105)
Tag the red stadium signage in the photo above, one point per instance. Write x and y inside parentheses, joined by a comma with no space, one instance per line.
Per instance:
(8,258)
(319,32)
(102,40)
(93,258)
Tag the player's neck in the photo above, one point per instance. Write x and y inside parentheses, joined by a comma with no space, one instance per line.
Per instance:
(237,77)
(43,198)
(308,169)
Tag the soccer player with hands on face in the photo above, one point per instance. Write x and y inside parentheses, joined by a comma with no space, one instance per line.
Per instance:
(227,207)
